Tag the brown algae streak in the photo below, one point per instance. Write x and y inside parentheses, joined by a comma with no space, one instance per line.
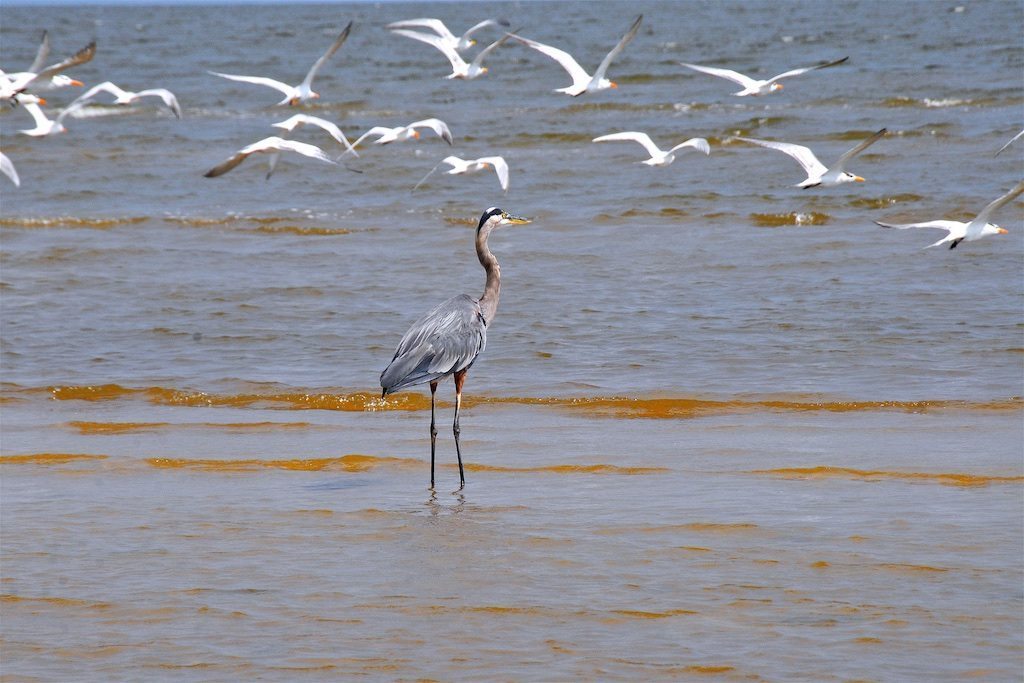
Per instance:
(48,458)
(301,231)
(52,601)
(884,202)
(346,463)
(698,527)
(568,469)
(681,408)
(130,427)
(102,392)
(355,402)
(115,427)
(596,406)
(775,220)
(363,463)
(71,222)
(944,478)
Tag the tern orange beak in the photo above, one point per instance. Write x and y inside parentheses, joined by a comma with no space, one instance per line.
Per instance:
(42,101)
(613,84)
(76,83)
(1001,231)
(416,134)
(858,179)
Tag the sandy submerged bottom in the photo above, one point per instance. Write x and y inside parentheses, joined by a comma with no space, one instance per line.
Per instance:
(768,545)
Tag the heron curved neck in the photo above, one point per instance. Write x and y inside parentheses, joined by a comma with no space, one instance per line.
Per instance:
(492,289)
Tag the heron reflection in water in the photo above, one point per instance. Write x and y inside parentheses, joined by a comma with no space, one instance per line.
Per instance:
(447,340)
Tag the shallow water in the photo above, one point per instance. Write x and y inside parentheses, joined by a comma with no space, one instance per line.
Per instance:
(723,428)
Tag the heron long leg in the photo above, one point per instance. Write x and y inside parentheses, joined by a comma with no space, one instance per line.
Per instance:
(460,379)
(433,432)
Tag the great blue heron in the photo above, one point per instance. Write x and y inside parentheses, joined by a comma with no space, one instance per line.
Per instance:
(447,340)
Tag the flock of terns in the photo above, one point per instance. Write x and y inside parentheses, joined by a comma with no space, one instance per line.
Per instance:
(25,90)
(447,340)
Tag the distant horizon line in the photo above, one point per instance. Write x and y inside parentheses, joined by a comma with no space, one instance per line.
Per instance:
(172,3)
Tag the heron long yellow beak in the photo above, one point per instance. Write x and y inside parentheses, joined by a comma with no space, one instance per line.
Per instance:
(858,179)
(514,220)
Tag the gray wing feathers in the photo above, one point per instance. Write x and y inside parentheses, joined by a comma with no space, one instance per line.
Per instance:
(626,39)
(80,57)
(445,340)
(338,42)
(1012,194)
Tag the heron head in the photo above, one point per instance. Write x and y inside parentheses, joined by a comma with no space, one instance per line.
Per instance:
(495,217)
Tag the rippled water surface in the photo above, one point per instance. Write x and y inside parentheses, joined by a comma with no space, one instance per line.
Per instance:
(724,429)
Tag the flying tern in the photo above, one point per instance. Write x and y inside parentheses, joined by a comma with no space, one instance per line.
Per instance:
(400,133)
(271,145)
(45,78)
(7,168)
(582,81)
(299,120)
(817,173)
(44,125)
(295,94)
(461,43)
(460,166)
(659,157)
(460,67)
(958,231)
(122,96)
(752,86)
